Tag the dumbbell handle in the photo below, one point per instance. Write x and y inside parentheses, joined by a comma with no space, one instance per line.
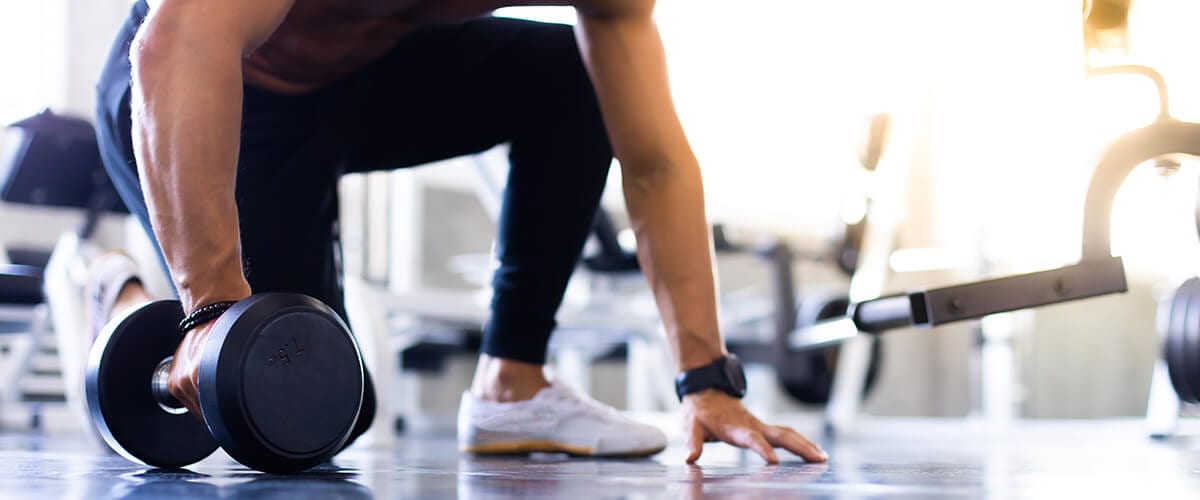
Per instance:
(158,387)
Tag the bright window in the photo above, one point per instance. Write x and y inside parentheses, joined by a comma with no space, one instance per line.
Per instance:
(32,39)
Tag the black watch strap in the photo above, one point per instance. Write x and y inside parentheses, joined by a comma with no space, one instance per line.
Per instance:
(725,373)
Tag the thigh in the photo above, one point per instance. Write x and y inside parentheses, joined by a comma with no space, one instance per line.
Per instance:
(286,190)
(291,153)
(452,90)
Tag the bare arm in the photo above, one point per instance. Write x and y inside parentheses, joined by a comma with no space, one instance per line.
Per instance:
(662,184)
(186,103)
(663,191)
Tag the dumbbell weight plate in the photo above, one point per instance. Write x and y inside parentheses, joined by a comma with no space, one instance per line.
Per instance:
(282,392)
(1184,305)
(119,399)
(1190,345)
(807,376)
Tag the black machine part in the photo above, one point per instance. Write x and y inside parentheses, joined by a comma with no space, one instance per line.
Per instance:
(20,285)
(57,163)
(847,246)
(1180,317)
(610,257)
(808,376)
(938,306)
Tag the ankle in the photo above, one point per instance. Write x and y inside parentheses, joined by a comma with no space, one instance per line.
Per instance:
(504,380)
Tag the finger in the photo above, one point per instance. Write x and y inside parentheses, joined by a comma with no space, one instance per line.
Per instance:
(194,410)
(192,393)
(191,402)
(695,441)
(790,440)
(754,440)
(759,444)
(179,389)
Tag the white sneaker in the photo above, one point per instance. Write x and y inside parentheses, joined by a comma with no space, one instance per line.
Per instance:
(557,420)
(107,276)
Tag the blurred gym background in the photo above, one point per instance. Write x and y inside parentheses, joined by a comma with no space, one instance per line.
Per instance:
(994,130)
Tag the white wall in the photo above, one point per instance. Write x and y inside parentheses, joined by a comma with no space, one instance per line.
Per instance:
(92,25)
(53,53)
(34,42)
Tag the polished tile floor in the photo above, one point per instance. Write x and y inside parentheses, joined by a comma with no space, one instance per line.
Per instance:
(887,458)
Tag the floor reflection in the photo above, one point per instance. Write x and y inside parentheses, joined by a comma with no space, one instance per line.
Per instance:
(916,460)
(486,478)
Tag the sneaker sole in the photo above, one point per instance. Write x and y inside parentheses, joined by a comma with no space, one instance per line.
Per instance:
(544,446)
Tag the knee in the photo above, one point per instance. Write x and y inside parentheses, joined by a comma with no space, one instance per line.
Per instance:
(566,70)
(576,103)
(568,124)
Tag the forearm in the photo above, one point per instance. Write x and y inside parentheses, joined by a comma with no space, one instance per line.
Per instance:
(186,103)
(674,249)
(662,182)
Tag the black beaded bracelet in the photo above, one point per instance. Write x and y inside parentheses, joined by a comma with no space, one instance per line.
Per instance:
(204,314)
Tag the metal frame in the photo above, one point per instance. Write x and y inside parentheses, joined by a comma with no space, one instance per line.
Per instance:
(1097,273)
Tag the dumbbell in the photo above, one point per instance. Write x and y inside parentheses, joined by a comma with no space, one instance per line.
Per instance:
(280,385)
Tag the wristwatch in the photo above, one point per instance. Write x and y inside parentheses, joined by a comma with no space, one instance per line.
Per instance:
(725,373)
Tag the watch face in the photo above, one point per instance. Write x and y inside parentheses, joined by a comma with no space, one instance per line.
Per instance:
(735,374)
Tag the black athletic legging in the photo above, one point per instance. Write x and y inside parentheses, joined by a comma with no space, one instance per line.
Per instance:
(442,92)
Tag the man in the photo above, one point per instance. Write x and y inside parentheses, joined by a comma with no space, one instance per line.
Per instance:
(226,124)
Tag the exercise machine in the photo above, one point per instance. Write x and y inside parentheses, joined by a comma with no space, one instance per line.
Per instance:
(55,163)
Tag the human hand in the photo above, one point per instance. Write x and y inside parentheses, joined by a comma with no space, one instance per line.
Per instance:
(185,368)
(712,415)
